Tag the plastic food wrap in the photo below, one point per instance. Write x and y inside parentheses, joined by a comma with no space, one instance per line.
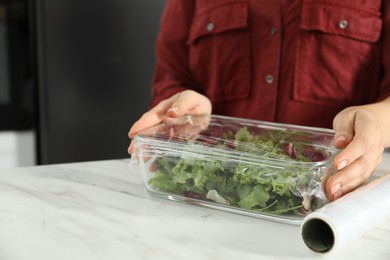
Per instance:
(346,219)
(268,170)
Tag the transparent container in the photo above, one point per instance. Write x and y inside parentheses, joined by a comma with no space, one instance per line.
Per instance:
(262,169)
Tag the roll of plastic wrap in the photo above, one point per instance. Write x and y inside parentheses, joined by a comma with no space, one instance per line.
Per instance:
(346,219)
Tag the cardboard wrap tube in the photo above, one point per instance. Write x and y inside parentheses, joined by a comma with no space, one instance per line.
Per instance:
(346,219)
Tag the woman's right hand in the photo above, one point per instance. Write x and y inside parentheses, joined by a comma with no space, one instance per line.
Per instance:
(187,102)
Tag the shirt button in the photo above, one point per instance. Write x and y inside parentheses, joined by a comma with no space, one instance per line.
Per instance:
(273,31)
(269,79)
(343,24)
(210,27)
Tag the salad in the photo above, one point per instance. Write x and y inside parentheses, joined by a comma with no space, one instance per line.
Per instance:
(263,170)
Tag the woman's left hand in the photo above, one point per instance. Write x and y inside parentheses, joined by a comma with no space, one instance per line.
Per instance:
(359,133)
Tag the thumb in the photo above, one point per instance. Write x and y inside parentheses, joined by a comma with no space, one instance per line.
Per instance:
(343,126)
(189,102)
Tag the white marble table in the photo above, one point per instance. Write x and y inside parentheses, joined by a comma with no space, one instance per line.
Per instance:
(99,210)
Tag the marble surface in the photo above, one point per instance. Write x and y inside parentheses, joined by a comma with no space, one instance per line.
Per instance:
(99,210)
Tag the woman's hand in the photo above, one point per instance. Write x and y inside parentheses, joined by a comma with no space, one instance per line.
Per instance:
(187,102)
(362,131)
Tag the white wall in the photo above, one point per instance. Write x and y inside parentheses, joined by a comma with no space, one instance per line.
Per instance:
(17,149)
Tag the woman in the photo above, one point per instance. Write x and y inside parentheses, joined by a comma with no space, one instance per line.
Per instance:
(306,62)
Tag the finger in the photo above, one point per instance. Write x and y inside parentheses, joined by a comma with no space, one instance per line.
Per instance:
(189,102)
(354,164)
(343,125)
(366,139)
(152,117)
(352,176)
(147,120)
(358,160)
(352,152)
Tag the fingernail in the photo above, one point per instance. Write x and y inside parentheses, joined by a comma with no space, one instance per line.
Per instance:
(341,138)
(337,194)
(335,188)
(173,109)
(341,164)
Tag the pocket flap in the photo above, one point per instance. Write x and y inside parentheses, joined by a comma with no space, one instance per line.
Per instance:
(219,19)
(358,23)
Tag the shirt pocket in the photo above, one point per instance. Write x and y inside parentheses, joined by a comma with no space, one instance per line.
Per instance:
(336,53)
(219,51)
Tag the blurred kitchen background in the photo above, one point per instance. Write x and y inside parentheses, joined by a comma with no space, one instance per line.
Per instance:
(74,76)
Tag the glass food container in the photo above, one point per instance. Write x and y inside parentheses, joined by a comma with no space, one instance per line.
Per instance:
(262,169)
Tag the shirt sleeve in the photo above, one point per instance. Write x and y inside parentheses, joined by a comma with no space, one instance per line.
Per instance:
(172,73)
(385,82)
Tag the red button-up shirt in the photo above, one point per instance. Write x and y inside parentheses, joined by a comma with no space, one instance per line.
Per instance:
(291,61)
